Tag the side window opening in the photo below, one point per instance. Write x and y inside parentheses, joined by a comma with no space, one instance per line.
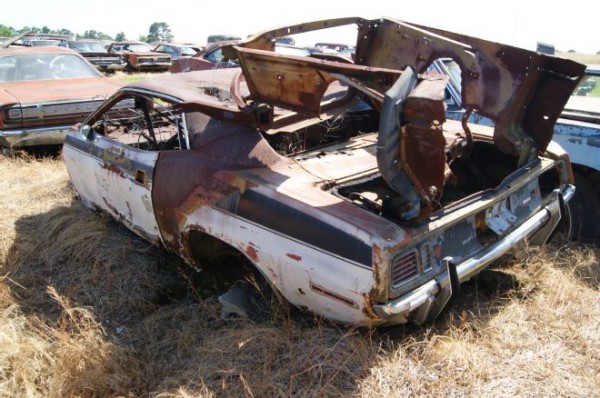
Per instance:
(145,123)
(215,56)
(452,96)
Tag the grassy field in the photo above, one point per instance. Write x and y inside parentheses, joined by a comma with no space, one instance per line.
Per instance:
(88,309)
(126,78)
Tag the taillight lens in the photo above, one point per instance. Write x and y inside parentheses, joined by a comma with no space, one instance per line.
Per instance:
(405,268)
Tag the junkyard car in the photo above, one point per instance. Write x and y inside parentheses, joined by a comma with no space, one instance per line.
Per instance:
(175,51)
(211,58)
(343,184)
(97,54)
(44,91)
(140,57)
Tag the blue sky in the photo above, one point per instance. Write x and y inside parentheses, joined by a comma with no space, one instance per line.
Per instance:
(518,22)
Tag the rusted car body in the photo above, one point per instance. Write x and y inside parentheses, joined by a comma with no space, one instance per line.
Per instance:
(176,51)
(44,92)
(577,130)
(96,53)
(139,56)
(210,58)
(343,184)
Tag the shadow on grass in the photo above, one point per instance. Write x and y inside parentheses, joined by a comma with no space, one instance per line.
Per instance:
(125,321)
(159,337)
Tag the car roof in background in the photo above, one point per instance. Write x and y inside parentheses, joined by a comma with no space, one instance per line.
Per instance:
(593,69)
(18,50)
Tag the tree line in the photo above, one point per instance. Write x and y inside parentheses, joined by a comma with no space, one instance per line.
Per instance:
(158,31)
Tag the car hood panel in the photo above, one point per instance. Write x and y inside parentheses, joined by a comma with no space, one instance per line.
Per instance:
(61,90)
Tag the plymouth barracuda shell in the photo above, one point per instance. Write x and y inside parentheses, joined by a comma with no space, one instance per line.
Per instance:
(343,184)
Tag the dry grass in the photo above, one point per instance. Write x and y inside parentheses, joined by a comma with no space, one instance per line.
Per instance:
(88,309)
(126,78)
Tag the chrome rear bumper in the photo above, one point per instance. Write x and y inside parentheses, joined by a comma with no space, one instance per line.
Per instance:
(427,301)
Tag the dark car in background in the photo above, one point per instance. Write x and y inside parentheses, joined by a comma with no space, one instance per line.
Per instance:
(44,91)
(176,51)
(217,38)
(96,53)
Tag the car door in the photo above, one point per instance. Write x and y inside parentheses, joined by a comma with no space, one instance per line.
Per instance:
(115,176)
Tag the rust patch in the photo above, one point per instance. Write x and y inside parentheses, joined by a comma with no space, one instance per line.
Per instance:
(252,253)
(294,257)
(202,173)
(111,168)
(367,309)
(376,263)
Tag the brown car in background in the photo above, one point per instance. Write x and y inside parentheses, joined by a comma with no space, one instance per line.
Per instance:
(44,92)
(211,58)
(140,57)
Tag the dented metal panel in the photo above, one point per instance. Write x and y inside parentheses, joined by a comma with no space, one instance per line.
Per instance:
(522,91)
(117,179)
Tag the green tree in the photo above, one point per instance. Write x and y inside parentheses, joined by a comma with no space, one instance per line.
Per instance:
(104,36)
(120,36)
(90,34)
(32,29)
(93,34)
(160,31)
(6,31)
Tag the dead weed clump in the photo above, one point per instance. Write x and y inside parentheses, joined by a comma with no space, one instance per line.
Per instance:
(89,309)
(540,339)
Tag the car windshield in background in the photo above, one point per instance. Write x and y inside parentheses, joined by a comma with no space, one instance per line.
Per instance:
(87,47)
(288,50)
(138,48)
(188,51)
(42,43)
(586,97)
(53,66)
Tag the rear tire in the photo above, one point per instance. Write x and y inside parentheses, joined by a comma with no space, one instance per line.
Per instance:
(583,212)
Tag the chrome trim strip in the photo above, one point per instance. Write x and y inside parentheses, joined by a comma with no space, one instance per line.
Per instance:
(34,136)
